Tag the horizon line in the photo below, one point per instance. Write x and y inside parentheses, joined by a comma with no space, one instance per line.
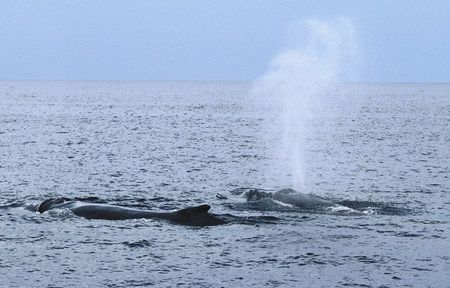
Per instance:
(196,80)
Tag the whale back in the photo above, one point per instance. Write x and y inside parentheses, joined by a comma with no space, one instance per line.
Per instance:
(257,195)
(193,216)
(50,203)
(196,216)
(195,210)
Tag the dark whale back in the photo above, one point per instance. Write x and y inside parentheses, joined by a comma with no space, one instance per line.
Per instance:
(50,203)
(195,210)
(196,216)
(193,216)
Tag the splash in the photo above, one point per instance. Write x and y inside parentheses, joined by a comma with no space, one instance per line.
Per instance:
(320,55)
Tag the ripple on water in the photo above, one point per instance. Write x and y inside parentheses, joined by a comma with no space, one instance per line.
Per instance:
(171,144)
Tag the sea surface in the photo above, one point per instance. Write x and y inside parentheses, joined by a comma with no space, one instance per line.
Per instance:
(383,149)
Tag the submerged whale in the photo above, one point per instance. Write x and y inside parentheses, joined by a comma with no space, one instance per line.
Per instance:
(191,216)
(293,198)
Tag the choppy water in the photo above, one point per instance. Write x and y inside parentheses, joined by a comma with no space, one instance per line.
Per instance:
(381,148)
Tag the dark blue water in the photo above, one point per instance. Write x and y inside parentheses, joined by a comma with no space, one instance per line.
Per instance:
(380,149)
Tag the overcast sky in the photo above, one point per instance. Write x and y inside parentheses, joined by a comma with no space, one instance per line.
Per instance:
(399,41)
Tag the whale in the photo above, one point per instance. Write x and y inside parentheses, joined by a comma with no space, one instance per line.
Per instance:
(190,216)
(293,198)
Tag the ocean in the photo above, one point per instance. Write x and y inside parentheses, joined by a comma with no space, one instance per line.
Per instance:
(381,149)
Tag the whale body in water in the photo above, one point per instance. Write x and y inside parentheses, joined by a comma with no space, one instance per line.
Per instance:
(292,198)
(191,216)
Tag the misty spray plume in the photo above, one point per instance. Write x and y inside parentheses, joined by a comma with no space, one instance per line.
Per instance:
(319,56)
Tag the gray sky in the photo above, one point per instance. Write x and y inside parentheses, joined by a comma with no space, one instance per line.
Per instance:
(399,41)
